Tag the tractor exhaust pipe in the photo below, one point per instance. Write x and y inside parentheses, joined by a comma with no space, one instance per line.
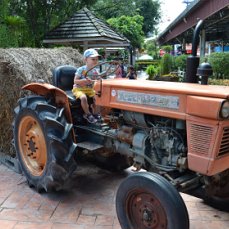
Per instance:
(193,60)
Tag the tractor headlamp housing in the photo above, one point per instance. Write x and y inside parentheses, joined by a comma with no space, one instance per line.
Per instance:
(224,112)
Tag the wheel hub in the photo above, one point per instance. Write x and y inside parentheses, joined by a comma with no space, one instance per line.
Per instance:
(146,212)
(32,145)
(31,142)
(147,215)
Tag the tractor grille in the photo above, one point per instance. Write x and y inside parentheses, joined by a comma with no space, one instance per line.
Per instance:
(200,139)
(224,147)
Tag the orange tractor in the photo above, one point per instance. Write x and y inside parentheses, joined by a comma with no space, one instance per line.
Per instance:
(178,132)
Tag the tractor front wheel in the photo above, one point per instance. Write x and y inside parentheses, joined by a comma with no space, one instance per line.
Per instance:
(148,201)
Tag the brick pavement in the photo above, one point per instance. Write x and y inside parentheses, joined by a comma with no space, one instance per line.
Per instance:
(89,205)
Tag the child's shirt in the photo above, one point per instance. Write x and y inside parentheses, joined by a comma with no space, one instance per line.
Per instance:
(80,74)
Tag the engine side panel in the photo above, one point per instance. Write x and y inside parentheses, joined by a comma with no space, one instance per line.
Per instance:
(198,105)
(208,145)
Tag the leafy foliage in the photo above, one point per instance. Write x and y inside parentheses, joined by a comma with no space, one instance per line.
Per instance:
(166,64)
(35,18)
(180,61)
(152,48)
(150,11)
(114,8)
(130,27)
(167,48)
(218,82)
(151,71)
(220,65)
(40,16)
(6,40)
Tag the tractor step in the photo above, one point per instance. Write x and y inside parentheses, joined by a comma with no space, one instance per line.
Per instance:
(91,146)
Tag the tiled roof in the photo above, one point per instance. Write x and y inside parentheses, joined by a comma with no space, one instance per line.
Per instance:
(84,28)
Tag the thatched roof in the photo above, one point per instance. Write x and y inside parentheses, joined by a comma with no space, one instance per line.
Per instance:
(85,29)
(19,67)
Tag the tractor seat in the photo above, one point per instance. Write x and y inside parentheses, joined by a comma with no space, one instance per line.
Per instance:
(63,78)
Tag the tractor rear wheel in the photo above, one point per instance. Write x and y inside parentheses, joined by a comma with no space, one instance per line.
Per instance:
(148,201)
(44,143)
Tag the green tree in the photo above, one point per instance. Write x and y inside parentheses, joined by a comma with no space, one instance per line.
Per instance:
(130,27)
(42,15)
(152,48)
(167,48)
(3,28)
(150,10)
(14,26)
(11,27)
(114,8)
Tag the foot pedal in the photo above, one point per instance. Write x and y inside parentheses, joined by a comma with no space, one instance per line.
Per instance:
(91,146)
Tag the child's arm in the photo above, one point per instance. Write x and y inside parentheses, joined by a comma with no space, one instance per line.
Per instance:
(81,82)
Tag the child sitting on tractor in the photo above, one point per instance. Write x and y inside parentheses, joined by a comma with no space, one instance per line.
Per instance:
(83,84)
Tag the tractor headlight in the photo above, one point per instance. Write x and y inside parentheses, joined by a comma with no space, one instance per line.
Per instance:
(225,110)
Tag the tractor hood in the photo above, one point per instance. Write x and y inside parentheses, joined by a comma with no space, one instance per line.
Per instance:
(173,99)
(167,87)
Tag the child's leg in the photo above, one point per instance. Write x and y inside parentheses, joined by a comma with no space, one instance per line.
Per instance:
(84,104)
(96,110)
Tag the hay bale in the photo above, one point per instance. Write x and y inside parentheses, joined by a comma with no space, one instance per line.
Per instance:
(21,66)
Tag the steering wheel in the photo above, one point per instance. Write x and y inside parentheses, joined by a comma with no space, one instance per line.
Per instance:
(110,68)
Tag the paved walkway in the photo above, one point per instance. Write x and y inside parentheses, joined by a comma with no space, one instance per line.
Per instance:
(89,205)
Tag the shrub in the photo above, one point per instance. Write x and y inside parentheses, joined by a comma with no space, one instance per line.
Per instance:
(218,82)
(220,65)
(143,64)
(166,64)
(151,71)
(180,62)
(169,77)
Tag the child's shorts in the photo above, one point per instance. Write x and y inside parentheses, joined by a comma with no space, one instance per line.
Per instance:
(78,92)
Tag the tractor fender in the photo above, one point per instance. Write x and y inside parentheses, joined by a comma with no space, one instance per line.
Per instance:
(47,90)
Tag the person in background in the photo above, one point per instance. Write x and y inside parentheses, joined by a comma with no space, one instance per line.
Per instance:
(123,70)
(83,85)
(118,72)
(132,75)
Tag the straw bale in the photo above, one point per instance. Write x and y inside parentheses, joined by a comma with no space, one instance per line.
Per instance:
(19,66)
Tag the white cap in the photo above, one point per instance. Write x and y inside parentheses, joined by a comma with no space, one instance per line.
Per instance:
(90,53)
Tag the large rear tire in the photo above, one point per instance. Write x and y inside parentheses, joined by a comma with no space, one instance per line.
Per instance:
(148,201)
(44,144)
